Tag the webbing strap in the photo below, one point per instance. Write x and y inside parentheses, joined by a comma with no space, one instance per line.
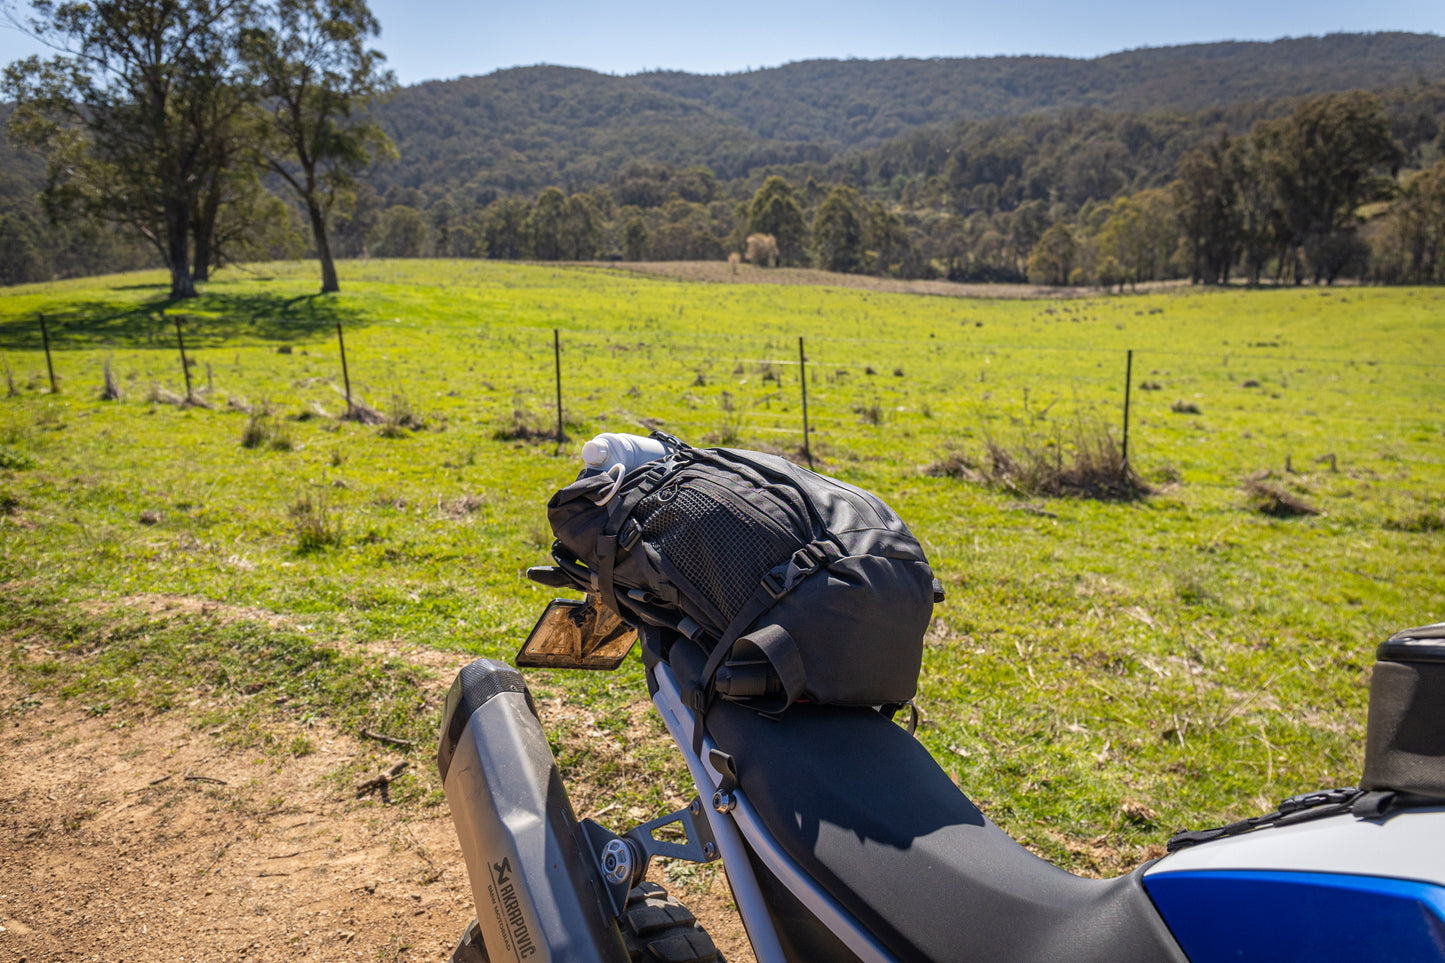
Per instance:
(606,560)
(1295,809)
(779,581)
(778,647)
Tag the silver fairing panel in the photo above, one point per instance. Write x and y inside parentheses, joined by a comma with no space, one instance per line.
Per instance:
(1407,845)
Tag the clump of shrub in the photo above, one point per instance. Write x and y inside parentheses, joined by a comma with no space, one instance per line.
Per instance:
(1425,520)
(1276,501)
(400,419)
(869,414)
(264,430)
(1182,407)
(13,459)
(314,525)
(524,425)
(1090,465)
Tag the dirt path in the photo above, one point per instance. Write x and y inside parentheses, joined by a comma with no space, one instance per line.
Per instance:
(142,840)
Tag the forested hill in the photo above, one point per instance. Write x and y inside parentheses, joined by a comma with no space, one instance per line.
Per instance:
(521,129)
(516,131)
(846,103)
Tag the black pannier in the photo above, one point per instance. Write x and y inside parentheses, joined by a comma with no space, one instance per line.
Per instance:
(797,585)
(1405,734)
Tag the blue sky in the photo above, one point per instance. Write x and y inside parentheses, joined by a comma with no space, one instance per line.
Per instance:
(442,39)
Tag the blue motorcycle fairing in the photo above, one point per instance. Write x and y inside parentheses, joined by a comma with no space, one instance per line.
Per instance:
(1264,916)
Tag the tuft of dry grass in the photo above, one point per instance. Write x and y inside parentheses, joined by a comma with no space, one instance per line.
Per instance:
(264,430)
(1425,520)
(762,251)
(160,395)
(525,425)
(359,411)
(400,419)
(869,414)
(1091,465)
(459,508)
(1268,498)
(314,524)
(956,464)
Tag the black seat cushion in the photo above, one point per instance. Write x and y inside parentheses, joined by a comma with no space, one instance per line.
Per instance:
(862,807)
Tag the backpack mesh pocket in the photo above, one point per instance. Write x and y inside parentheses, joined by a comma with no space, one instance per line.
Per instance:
(715,543)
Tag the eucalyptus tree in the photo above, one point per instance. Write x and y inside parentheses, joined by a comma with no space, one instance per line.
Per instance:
(316,75)
(775,210)
(838,232)
(128,111)
(1207,202)
(1324,161)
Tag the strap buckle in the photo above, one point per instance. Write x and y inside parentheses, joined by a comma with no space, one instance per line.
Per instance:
(783,578)
(1324,797)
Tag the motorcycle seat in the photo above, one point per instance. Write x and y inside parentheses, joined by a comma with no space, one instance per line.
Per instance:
(862,808)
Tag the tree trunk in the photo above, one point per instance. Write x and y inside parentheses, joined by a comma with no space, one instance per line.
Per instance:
(178,221)
(329,283)
(204,229)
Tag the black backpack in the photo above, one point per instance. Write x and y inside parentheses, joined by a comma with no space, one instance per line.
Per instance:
(796,585)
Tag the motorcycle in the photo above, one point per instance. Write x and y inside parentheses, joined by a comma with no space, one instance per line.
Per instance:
(842,839)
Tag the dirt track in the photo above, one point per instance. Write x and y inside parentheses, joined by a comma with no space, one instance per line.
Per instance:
(140,840)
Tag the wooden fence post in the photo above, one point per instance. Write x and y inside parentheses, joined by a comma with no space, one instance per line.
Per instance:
(185,365)
(1128,379)
(49,365)
(345,375)
(557,355)
(803,380)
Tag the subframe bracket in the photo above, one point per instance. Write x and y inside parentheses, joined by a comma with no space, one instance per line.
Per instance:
(622,861)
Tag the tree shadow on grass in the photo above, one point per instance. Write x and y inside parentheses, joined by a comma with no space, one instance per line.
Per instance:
(206,322)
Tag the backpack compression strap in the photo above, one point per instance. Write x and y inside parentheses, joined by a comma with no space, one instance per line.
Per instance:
(620,532)
(773,641)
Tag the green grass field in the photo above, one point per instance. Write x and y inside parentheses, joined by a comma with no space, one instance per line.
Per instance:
(1101,674)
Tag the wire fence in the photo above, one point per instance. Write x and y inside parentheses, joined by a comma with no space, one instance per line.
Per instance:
(1206,416)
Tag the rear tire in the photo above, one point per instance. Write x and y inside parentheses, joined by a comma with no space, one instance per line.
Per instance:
(658,929)
(469,947)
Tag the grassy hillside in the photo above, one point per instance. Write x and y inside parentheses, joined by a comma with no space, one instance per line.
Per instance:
(1101,673)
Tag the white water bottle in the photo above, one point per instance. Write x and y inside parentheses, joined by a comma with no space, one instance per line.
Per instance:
(615,448)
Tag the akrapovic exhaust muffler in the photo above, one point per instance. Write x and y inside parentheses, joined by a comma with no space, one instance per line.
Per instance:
(534,881)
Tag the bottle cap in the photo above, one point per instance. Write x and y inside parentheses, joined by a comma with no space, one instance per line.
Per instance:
(594,454)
